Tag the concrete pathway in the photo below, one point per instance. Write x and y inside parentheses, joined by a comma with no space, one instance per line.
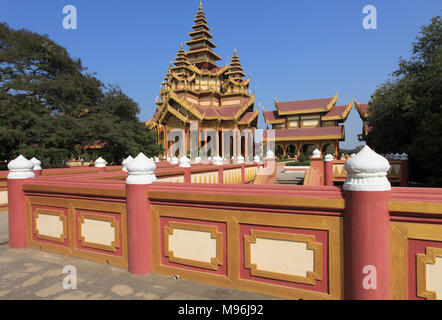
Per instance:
(32,274)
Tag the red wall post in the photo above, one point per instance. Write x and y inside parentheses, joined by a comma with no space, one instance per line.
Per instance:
(187,175)
(367,227)
(185,164)
(141,174)
(328,170)
(221,175)
(404,170)
(20,169)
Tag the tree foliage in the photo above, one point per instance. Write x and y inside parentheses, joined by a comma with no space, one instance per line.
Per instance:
(405,112)
(51,108)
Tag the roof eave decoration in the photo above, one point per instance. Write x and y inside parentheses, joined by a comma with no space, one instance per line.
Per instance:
(276,121)
(244,108)
(362,113)
(253,117)
(342,116)
(181,79)
(200,72)
(193,110)
(332,102)
(177,114)
(149,124)
(238,83)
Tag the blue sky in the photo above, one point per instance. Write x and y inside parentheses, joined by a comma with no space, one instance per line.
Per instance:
(291,49)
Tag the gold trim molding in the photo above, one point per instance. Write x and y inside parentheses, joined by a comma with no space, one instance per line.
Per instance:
(113,223)
(214,234)
(421,271)
(312,275)
(57,213)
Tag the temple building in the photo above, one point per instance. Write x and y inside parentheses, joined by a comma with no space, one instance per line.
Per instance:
(362,109)
(303,123)
(195,88)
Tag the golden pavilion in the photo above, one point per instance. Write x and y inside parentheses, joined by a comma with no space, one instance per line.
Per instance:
(195,88)
(304,123)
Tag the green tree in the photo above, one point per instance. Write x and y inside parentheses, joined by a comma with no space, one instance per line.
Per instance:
(51,108)
(405,112)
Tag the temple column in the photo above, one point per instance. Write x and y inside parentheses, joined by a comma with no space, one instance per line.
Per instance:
(166,141)
(336,149)
(188,140)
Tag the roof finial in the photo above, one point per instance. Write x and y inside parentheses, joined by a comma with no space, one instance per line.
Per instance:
(234,52)
(181,45)
(201,5)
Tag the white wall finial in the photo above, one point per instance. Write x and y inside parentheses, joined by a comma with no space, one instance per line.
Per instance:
(141,170)
(316,154)
(270,154)
(367,171)
(156,159)
(184,162)
(240,159)
(256,159)
(37,163)
(20,168)
(174,160)
(218,161)
(126,162)
(404,156)
(100,163)
(328,157)
(198,160)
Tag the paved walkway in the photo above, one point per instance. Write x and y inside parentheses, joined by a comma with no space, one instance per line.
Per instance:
(33,274)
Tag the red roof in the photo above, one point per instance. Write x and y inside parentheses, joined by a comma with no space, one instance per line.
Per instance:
(308,132)
(272,116)
(336,111)
(246,116)
(364,107)
(302,105)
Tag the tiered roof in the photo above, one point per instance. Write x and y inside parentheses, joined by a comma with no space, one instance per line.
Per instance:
(200,47)
(326,107)
(305,106)
(181,59)
(363,113)
(194,87)
(362,109)
(235,69)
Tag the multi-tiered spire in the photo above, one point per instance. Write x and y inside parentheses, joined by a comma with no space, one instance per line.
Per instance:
(181,61)
(200,47)
(235,68)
